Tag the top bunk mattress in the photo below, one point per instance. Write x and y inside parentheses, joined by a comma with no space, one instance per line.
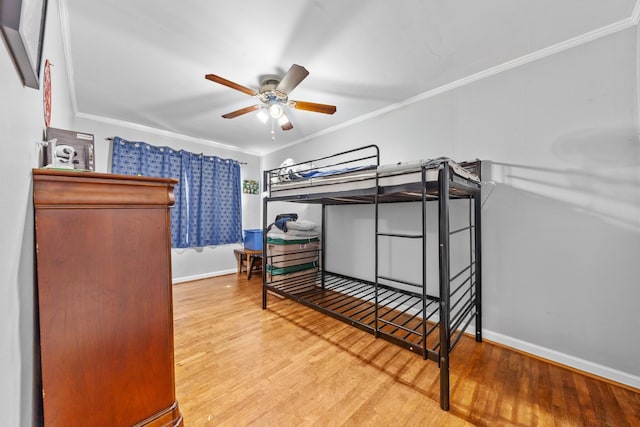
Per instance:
(363,178)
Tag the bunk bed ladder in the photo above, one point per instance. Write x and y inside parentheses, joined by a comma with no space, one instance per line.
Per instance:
(323,239)
(395,320)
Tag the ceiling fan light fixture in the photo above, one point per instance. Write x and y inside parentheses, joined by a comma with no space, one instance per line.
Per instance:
(263,116)
(275,110)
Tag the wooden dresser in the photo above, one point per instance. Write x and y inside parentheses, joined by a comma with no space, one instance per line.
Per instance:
(105,299)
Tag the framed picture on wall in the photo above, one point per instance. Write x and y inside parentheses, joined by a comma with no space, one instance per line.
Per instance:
(22,25)
(250,186)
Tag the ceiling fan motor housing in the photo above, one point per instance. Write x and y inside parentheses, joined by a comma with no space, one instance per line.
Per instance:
(268,92)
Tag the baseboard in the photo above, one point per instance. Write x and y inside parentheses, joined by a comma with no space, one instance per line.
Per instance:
(177,280)
(585,366)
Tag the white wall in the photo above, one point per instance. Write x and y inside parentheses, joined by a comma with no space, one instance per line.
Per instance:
(561,220)
(21,125)
(191,263)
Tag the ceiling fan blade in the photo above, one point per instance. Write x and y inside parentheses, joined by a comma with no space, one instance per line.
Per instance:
(312,106)
(240,112)
(230,84)
(294,76)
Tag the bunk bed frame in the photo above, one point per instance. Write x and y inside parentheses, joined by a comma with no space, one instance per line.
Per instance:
(396,310)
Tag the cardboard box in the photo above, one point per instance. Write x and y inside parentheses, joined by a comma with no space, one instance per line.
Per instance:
(279,255)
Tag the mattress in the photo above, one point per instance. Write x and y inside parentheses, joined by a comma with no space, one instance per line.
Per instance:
(388,175)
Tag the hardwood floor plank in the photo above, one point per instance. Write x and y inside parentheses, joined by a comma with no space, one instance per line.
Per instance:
(289,365)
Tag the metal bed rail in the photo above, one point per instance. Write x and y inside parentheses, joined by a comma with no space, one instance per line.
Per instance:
(367,157)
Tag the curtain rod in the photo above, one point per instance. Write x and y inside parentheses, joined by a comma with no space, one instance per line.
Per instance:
(110,138)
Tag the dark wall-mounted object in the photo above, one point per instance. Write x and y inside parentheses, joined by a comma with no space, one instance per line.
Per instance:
(22,25)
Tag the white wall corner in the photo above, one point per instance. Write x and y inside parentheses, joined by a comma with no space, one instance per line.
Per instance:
(66,48)
(636,12)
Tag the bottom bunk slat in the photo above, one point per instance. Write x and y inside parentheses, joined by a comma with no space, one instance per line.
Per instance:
(353,301)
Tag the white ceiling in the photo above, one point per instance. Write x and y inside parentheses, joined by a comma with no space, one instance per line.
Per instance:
(144,61)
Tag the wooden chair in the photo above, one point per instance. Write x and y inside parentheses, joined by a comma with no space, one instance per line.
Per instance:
(248,258)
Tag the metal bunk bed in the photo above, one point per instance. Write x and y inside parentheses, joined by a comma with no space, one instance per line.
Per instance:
(396,310)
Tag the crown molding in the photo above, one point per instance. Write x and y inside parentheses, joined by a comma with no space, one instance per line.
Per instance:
(165,133)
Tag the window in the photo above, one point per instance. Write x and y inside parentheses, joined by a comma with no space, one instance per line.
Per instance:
(208,196)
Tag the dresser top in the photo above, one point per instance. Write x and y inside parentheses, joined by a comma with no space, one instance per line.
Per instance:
(54,187)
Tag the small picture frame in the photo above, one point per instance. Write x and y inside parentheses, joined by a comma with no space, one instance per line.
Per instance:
(80,144)
(250,186)
(22,25)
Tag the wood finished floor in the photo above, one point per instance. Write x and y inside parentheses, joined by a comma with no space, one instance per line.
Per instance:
(238,365)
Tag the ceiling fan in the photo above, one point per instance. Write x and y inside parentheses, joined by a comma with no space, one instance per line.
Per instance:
(274,94)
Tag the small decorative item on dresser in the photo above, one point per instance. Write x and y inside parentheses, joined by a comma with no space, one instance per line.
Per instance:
(80,142)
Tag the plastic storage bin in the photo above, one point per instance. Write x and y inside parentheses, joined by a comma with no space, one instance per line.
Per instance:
(279,255)
(253,239)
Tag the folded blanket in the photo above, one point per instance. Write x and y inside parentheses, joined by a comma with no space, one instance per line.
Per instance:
(303,225)
(285,224)
(275,233)
(299,241)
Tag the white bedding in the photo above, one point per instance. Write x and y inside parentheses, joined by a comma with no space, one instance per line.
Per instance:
(276,233)
(389,175)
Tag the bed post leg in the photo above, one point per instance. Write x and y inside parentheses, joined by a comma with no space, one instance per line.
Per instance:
(443,233)
(444,383)
(265,180)
(323,238)
(264,297)
(478,223)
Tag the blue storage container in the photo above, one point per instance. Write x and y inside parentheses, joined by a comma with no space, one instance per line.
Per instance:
(253,239)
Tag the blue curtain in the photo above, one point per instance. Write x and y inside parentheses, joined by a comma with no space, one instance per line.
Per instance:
(208,208)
